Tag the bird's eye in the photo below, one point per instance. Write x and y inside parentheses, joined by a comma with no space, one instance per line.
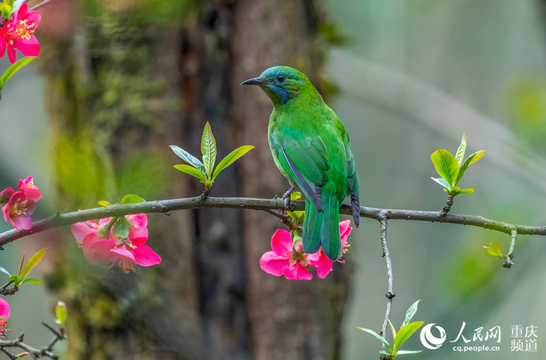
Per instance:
(281,78)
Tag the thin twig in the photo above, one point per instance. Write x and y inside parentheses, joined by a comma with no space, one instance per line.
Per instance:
(510,255)
(59,336)
(448,205)
(286,219)
(10,355)
(5,291)
(37,6)
(34,352)
(5,286)
(160,206)
(387,256)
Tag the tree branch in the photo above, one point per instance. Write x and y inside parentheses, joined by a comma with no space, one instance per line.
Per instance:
(165,206)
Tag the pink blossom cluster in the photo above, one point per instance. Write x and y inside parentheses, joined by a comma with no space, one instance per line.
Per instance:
(20,204)
(109,250)
(18,33)
(288,258)
(4,316)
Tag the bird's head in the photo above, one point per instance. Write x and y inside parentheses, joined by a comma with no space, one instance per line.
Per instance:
(280,83)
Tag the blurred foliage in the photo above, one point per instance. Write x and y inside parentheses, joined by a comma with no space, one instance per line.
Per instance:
(469,274)
(81,172)
(528,112)
(329,32)
(124,85)
(161,12)
(86,174)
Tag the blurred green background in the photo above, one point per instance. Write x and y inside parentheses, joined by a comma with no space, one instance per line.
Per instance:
(413,76)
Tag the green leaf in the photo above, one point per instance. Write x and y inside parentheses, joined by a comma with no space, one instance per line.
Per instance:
(408,352)
(446,165)
(60,313)
(5,271)
(469,161)
(466,191)
(393,330)
(384,352)
(460,151)
(377,336)
(21,263)
(442,182)
(32,262)
(121,228)
(32,281)
(191,170)
(410,313)
(230,158)
(10,71)
(296,215)
(494,249)
(5,9)
(404,333)
(131,199)
(16,279)
(189,158)
(208,149)
(103,203)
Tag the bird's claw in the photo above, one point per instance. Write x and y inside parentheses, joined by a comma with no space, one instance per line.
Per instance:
(286,197)
(288,205)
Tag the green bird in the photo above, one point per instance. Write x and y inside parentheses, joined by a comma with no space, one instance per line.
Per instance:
(311,149)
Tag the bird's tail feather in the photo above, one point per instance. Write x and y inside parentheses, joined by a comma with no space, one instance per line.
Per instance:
(329,230)
(322,227)
(311,228)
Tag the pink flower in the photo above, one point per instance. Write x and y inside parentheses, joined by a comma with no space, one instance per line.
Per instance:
(289,260)
(321,261)
(5,195)
(18,211)
(285,259)
(20,204)
(123,252)
(31,191)
(18,33)
(4,316)
(4,312)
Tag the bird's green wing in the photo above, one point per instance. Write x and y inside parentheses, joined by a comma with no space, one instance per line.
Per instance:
(352,175)
(305,162)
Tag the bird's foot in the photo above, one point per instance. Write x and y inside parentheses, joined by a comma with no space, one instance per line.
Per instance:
(286,197)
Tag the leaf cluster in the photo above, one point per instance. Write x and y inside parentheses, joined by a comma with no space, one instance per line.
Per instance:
(406,330)
(452,168)
(24,270)
(204,170)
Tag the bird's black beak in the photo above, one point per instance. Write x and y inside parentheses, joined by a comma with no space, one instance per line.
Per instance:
(253,81)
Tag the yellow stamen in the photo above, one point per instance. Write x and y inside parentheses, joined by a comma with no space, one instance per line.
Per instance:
(19,208)
(25,31)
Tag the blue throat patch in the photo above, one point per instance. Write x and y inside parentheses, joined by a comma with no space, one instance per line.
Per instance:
(281,92)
